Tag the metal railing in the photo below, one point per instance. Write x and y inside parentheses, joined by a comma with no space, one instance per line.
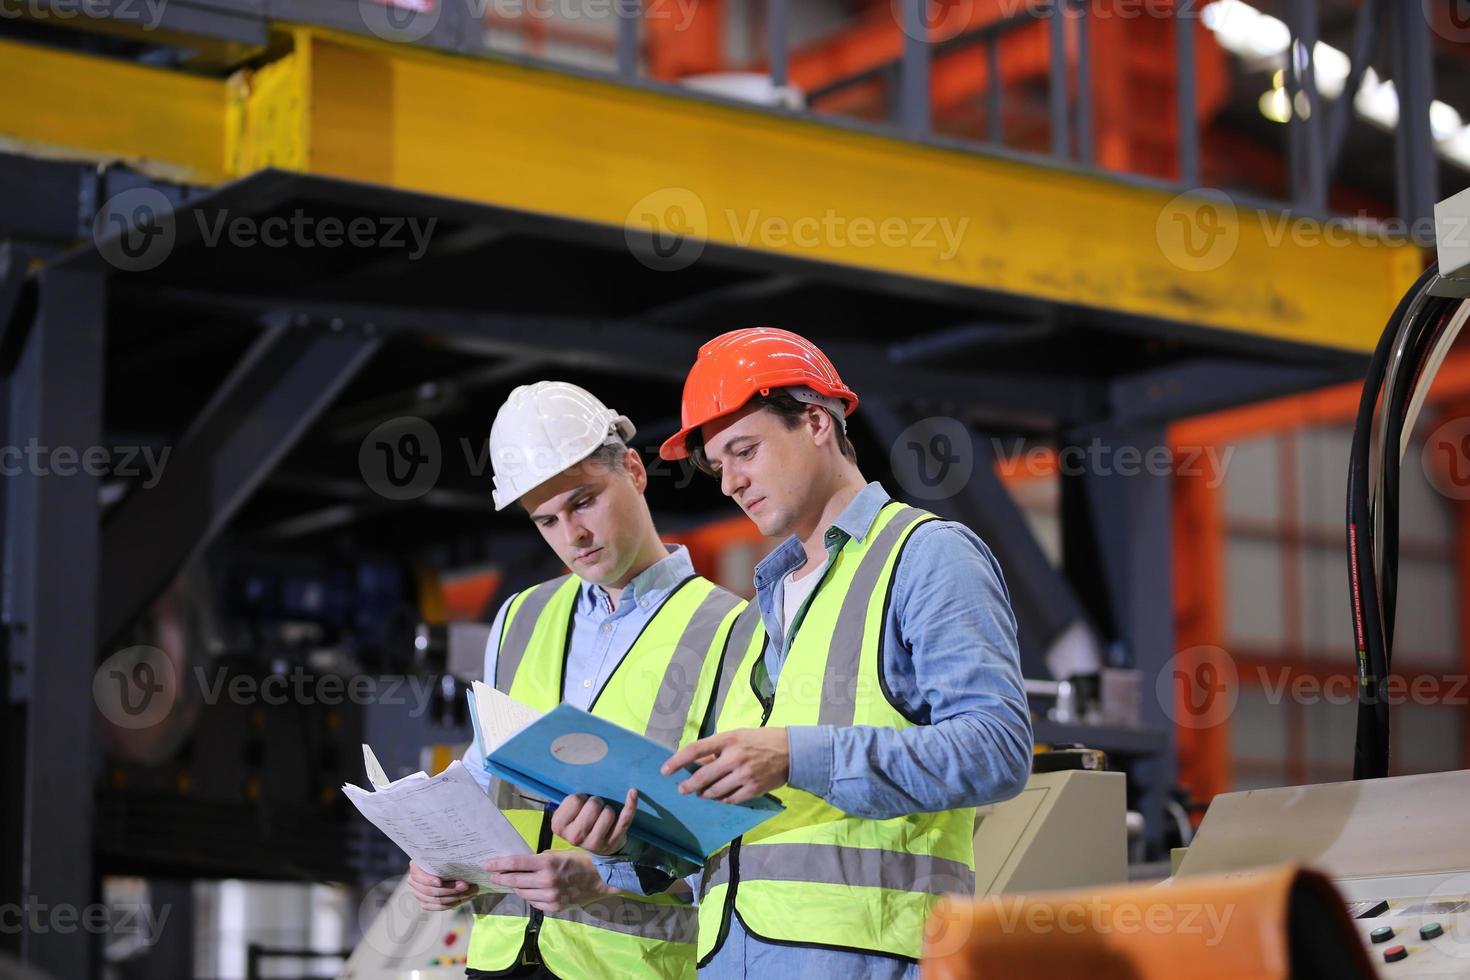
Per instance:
(1314,137)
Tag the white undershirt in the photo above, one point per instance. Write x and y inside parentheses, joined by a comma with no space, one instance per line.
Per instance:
(795,593)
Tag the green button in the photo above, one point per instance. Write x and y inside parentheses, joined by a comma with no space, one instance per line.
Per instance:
(1431,930)
(1382,934)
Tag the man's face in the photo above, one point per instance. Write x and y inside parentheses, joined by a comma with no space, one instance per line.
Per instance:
(593,517)
(763,466)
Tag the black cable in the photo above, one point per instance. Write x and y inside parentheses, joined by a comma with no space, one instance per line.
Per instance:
(1427,329)
(1370,759)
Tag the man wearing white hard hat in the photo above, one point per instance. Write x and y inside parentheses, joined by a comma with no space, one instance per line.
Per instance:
(631,634)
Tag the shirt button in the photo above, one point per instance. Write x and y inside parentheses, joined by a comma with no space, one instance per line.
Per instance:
(607,628)
(587,682)
(643,603)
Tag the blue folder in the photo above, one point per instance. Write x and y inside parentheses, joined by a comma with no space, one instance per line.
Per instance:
(570,751)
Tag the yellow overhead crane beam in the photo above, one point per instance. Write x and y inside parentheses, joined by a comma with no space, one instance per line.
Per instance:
(538,140)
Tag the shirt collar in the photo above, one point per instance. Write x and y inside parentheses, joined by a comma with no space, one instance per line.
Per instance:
(652,583)
(855,521)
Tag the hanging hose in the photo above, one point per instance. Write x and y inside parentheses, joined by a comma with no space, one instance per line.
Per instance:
(1414,343)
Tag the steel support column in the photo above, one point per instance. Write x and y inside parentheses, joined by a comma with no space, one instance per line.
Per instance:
(1413,73)
(1116,534)
(1043,601)
(54,403)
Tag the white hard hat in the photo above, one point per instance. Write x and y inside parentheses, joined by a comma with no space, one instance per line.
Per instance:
(542,429)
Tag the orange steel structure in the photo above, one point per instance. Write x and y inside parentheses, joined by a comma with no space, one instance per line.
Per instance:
(1132,71)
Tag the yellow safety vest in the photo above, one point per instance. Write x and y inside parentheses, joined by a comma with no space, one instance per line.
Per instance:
(662,687)
(813,875)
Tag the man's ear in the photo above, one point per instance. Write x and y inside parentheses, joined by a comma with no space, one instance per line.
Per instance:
(634,462)
(820,421)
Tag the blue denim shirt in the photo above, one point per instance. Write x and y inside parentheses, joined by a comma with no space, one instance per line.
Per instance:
(951,659)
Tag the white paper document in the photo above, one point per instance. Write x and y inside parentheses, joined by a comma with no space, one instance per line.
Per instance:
(445,823)
(497,716)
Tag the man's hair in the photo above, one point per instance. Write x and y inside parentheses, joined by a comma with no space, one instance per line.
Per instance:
(790,411)
(611,456)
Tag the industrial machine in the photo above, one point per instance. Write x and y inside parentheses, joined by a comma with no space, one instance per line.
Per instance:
(1065,829)
(1396,848)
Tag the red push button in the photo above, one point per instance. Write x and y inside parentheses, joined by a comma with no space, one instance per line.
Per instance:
(1394,953)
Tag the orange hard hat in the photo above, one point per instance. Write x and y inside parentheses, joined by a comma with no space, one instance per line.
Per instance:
(737,366)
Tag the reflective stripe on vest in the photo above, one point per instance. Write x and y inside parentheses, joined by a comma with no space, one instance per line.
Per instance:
(828,864)
(663,687)
(813,875)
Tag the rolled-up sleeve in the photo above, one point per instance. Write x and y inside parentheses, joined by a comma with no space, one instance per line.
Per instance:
(952,664)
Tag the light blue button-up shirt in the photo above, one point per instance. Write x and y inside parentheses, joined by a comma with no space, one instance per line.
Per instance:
(951,660)
(601,635)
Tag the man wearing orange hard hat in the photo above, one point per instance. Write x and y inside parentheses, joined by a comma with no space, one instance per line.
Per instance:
(879,696)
